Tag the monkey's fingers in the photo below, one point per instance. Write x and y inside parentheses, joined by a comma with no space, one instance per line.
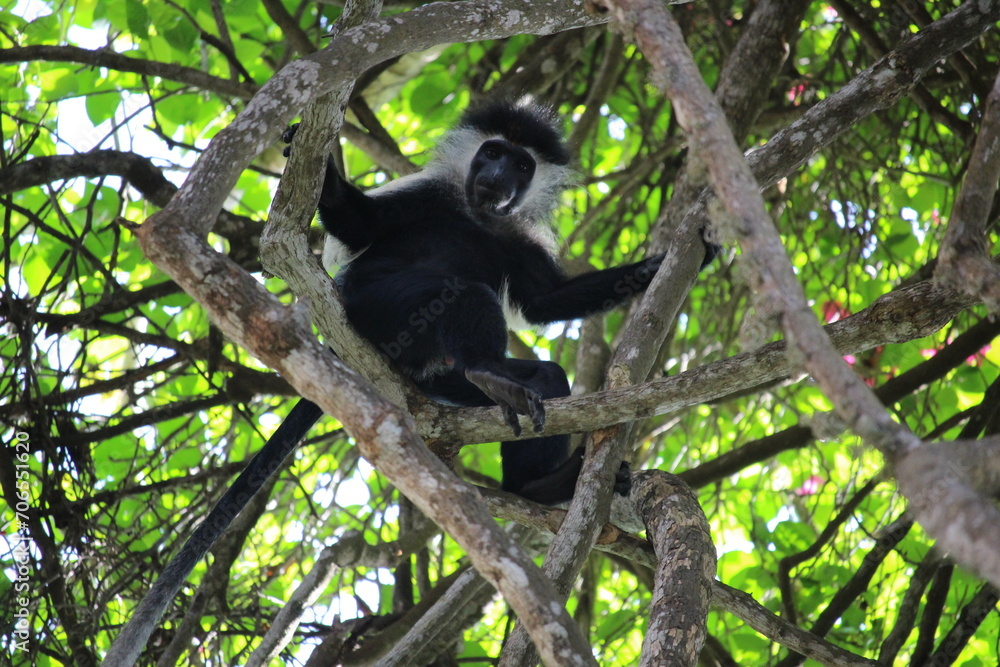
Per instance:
(536,411)
(510,416)
(289,133)
(287,137)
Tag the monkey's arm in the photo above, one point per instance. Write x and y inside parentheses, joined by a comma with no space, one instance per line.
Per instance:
(589,293)
(598,291)
(348,213)
(345,211)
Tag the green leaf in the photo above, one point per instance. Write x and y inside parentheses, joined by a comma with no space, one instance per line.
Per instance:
(13,21)
(612,623)
(102,107)
(59,82)
(792,536)
(428,95)
(181,35)
(43,29)
(137,17)
(186,459)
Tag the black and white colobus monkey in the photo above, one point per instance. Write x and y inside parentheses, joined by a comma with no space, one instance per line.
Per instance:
(439,265)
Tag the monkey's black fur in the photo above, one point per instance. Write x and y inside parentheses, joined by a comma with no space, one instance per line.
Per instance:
(439,265)
(437,261)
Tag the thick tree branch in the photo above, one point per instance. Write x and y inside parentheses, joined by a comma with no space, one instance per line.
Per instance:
(685,568)
(943,495)
(964,262)
(286,253)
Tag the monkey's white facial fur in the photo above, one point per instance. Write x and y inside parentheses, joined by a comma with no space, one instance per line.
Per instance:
(454,159)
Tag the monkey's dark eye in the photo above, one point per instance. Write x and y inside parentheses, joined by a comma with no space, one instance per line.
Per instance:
(522,166)
(491,153)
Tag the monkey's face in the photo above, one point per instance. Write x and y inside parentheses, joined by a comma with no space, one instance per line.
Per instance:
(499,177)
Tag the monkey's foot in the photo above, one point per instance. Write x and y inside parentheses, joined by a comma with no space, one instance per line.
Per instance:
(623,479)
(512,397)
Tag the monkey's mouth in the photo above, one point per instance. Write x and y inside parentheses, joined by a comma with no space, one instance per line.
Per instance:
(493,201)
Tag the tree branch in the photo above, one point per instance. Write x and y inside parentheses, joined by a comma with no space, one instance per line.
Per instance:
(964,262)
(685,568)
(122,63)
(744,607)
(899,316)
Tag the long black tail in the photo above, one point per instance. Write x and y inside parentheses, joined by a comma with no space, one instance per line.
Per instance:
(125,650)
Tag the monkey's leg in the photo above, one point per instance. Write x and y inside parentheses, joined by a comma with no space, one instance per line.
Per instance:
(431,323)
(544,469)
(541,469)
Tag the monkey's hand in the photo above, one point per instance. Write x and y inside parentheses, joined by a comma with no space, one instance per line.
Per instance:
(334,185)
(512,397)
